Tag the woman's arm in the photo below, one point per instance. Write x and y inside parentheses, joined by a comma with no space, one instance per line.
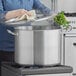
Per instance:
(6,15)
(38,5)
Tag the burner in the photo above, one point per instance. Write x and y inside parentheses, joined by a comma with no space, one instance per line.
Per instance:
(31,66)
(26,66)
(70,14)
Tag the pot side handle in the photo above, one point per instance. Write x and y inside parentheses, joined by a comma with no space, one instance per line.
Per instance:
(10,32)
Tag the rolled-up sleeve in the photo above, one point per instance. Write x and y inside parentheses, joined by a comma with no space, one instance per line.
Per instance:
(38,5)
(2,12)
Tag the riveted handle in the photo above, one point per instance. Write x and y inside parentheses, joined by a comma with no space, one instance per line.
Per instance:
(10,32)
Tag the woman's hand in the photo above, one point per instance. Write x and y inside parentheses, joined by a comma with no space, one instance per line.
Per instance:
(16,13)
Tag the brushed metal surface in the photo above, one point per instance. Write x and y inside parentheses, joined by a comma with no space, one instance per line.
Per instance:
(24,46)
(47,47)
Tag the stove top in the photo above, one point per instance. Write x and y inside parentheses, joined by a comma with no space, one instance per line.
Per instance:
(36,69)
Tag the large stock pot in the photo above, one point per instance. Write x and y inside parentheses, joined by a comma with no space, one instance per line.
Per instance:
(38,43)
